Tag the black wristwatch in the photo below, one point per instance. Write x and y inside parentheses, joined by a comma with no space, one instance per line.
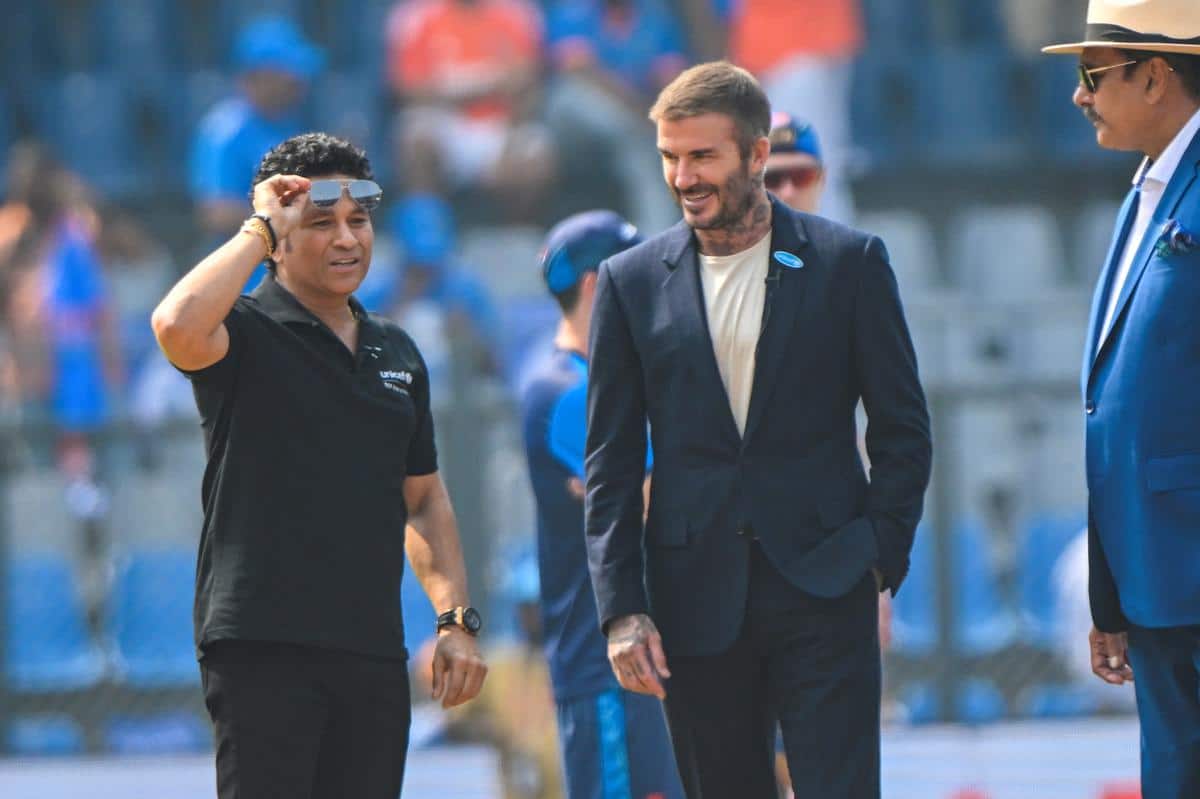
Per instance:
(466,618)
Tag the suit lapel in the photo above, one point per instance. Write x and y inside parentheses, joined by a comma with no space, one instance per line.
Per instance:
(779,309)
(1181,181)
(689,321)
(1104,285)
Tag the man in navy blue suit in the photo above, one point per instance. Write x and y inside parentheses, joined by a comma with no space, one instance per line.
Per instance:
(745,336)
(1139,76)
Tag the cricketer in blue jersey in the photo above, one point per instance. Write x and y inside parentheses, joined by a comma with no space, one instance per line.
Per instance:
(614,743)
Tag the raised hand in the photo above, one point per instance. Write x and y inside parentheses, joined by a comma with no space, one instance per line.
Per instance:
(280,197)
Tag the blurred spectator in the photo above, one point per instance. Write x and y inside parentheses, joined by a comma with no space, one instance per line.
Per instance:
(803,52)
(445,308)
(275,65)
(466,73)
(67,364)
(613,57)
(795,173)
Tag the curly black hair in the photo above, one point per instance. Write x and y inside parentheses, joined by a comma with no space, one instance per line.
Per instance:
(312,155)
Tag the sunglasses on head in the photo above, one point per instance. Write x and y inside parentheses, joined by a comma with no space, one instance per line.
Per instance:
(799,176)
(325,193)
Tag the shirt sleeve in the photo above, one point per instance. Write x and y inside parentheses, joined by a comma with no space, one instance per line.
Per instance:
(422,450)
(568,429)
(222,372)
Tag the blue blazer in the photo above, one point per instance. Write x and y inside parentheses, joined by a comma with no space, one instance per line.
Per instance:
(1141,391)
(833,331)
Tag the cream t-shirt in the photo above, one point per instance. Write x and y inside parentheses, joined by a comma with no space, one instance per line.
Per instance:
(734,290)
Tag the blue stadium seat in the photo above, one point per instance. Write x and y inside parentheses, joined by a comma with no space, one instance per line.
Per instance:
(1055,701)
(350,105)
(883,107)
(979,701)
(48,644)
(172,732)
(982,623)
(1043,542)
(44,734)
(920,702)
(965,107)
(914,609)
(150,618)
(89,121)
(140,38)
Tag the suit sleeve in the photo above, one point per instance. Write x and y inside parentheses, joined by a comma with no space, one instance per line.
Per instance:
(898,436)
(615,460)
(1102,587)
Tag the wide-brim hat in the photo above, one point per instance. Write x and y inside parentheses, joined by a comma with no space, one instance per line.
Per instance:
(1159,26)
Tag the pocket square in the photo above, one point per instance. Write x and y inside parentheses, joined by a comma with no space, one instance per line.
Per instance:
(1175,239)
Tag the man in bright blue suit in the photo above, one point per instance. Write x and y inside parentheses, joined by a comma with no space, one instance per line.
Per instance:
(1140,87)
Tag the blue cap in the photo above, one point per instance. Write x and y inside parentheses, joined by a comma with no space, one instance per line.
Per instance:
(424,224)
(276,43)
(579,243)
(791,135)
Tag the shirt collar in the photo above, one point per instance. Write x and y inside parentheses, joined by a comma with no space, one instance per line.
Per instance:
(282,306)
(1161,170)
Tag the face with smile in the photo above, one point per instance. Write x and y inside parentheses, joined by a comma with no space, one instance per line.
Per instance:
(714,185)
(328,253)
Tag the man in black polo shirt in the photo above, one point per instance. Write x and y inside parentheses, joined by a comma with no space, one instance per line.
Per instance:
(321,473)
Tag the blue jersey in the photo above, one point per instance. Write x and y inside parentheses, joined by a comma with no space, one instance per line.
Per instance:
(554,415)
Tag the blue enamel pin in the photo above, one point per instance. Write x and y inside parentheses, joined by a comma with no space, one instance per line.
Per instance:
(788,260)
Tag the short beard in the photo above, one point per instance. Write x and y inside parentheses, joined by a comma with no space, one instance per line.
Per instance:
(742,190)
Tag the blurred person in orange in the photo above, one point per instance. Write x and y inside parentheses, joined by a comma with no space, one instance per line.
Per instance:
(322,475)
(803,51)
(467,75)
(1139,86)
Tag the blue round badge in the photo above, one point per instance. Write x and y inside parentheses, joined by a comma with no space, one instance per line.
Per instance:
(788,260)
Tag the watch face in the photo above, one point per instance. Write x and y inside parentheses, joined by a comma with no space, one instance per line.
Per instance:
(472,620)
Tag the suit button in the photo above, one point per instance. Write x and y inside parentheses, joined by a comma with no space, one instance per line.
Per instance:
(1089,407)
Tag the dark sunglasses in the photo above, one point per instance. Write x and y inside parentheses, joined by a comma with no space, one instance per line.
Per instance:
(1090,83)
(325,193)
(800,176)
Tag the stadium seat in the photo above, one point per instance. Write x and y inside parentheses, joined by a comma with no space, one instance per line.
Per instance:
(1055,701)
(505,257)
(982,623)
(48,645)
(174,732)
(195,92)
(883,107)
(44,734)
(920,702)
(1043,542)
(979,701)
(1091,236)
(984,241)
(139,38)
(89,121)
(965,107)
(150,618)
(914,609)
(911,247)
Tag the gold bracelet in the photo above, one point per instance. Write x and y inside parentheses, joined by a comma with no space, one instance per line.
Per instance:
(255,227)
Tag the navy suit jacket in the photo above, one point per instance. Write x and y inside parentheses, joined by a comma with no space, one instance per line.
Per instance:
(834,331)
(1141,387)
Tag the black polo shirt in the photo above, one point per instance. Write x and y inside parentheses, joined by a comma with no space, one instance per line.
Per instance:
(308,448)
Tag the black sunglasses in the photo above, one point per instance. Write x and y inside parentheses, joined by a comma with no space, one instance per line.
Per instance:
(325,193)
(1090,83)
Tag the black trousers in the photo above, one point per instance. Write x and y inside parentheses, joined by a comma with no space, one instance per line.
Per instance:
(810,663)
(298,722)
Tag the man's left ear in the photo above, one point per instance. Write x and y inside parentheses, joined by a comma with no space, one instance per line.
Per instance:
(761,152)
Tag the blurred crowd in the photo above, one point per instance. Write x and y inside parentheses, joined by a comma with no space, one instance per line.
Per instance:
(485,120)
